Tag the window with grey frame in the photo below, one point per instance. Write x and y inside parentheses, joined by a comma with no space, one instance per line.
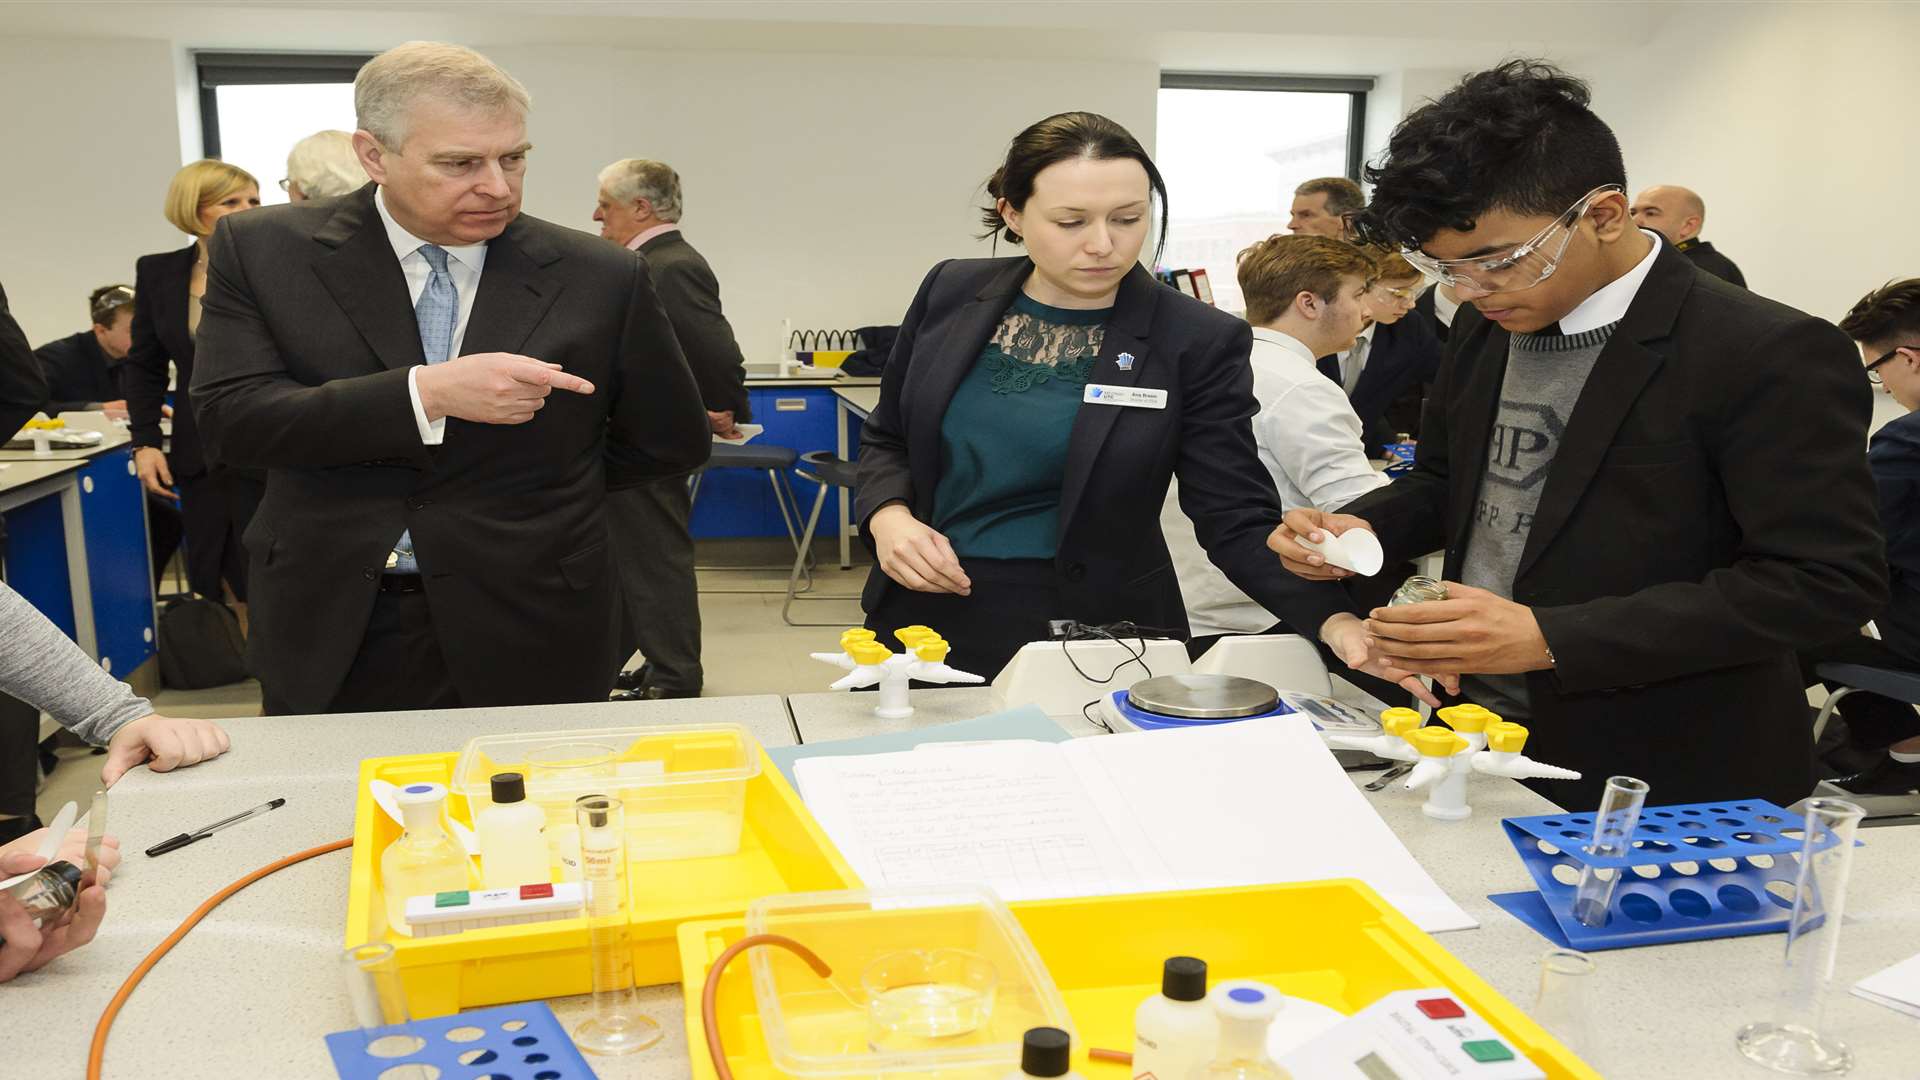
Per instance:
(255,106)
(1233,147)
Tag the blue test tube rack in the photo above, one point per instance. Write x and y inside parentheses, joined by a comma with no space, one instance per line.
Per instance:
(1695,871)
(522,1041)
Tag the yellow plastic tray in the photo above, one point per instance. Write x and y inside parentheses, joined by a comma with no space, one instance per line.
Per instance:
(1334,942)
(782,850)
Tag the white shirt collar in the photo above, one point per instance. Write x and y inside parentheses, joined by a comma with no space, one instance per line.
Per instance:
(1286,341)
(1609,304)
(1365,334)
(406,244)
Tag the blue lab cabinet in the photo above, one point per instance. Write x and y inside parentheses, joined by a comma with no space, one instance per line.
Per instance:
(114,528)
(740,502)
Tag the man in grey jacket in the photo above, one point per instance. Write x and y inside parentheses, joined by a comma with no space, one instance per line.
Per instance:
(639,208)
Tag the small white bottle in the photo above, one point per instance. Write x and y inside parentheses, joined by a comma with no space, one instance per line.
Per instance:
(513,849)
(1246,1010)
(424,860)
(1175,1030)
(1045,1052)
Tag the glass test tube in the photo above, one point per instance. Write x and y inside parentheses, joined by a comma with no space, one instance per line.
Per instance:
(1793,1042)
(1613,827)
(379,1002)
(617,1025)
(1565,1002)
(96,835)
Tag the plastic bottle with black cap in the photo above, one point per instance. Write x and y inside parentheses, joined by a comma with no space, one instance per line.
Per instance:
(1046,1052)
(513,844)
(1176,1031)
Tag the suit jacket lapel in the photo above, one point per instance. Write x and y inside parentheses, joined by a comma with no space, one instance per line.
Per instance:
(935,383)
(365,279)
(1623,369)
(515,293)
(1126,332)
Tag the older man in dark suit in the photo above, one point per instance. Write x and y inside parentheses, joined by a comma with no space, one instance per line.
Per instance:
(639,208)
(443,391)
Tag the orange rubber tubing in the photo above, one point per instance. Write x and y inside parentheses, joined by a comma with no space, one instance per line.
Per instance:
(710,993)
(98,1052)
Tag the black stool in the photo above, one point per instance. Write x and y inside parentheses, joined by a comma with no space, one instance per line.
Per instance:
(775,461)
(829,472)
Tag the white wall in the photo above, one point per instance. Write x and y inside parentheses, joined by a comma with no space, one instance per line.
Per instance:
(92,137)
(1796,123)
(820,187)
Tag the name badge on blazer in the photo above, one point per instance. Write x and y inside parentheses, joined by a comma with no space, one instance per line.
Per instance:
(1131,396)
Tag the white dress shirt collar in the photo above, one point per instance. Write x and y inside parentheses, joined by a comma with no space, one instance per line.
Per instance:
(406,244)
(1608,305)
(1286,341)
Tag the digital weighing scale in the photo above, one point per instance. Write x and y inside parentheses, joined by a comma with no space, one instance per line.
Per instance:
(1186,701)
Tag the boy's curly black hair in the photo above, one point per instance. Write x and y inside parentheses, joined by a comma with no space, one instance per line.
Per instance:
(1518,137)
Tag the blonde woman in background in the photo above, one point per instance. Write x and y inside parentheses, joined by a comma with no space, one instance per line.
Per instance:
(321,166)
(215,503)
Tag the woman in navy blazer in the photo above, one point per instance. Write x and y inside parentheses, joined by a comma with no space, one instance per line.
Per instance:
(215,503)
(1000,490)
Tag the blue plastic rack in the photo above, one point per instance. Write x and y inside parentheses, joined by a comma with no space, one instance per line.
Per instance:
(1696,871)
(509,1042)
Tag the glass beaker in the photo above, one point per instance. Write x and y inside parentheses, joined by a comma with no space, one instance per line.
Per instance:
(1613,826)
(918,998)
(1793,1042)
(1418,590)
(556,776)
(1564,1005)
(379,1004)
(617,1025)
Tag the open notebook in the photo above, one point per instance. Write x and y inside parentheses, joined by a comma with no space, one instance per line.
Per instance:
(1251,803)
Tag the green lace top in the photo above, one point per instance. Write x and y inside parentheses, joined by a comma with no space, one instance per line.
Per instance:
(1003,442)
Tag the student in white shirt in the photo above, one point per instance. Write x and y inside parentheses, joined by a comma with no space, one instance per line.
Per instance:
(1304,298)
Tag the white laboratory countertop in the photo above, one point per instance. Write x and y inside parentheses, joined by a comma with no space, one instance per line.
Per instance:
(767,382)
(21,472)
(1667,1011)
(861,399)
(117,436)
(252,989)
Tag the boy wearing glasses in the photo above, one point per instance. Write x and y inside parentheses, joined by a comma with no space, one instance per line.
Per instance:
(1647,483)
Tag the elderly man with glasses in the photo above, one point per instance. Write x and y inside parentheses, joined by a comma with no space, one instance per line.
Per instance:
(1647,483)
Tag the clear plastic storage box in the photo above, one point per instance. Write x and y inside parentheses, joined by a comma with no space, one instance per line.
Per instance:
(684,787)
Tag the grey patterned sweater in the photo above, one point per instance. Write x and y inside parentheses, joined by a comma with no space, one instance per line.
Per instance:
(44,668)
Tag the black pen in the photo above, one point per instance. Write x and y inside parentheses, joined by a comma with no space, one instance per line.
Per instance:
(184,839)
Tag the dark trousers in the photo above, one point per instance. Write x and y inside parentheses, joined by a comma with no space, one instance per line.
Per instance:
(659,596)
(19,767)
(215,507)
(1012,601)
(399,666)
(163,534)
(1873,722)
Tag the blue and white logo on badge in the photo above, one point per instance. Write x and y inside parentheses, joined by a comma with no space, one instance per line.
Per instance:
(1093,391)
(1125,361)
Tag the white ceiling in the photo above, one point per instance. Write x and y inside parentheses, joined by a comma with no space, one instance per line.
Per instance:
(1325,36)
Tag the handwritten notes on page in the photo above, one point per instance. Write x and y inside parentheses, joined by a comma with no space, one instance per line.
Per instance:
(1251,803)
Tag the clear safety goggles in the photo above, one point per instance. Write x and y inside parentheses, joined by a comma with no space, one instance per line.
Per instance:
(1519,268)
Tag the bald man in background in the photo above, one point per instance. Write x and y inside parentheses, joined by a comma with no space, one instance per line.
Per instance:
(1678,214)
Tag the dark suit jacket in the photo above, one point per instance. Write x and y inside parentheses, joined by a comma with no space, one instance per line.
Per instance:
(1709,512)
(1112,559)
(691,295)
(1404,356)
(78,373)
(1706,258)
(1894,457)
(22,388)
(160,334)
(1423,308)
(304,349)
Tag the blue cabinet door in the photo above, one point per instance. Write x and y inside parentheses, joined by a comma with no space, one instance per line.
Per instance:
(740,502)
(37,559)
(114,510)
